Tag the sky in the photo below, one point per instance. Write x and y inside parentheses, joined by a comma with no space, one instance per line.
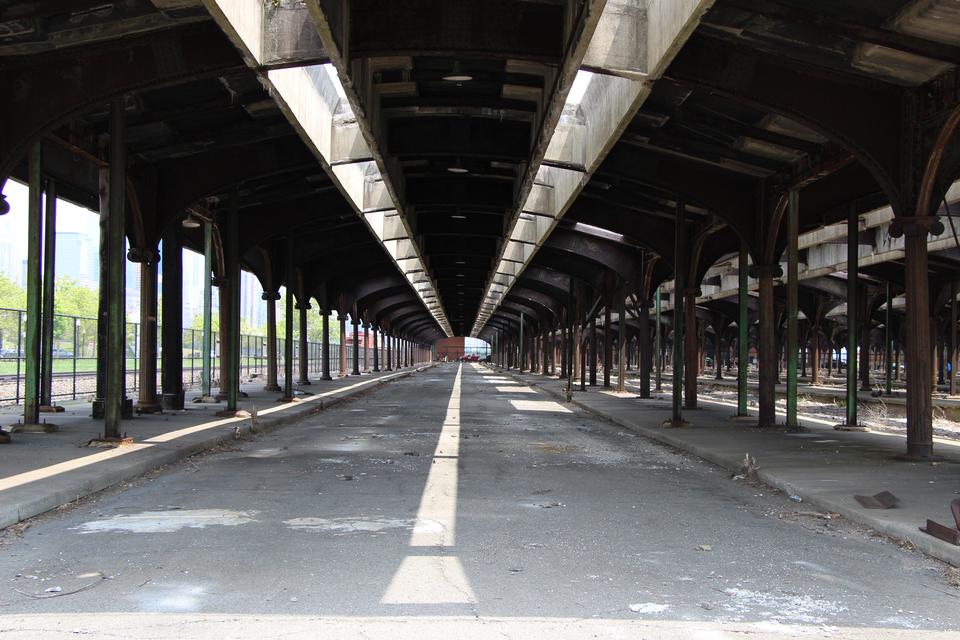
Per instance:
(13,226)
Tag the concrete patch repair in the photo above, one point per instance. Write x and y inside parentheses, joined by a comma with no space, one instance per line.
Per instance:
(167,521)
(342,526)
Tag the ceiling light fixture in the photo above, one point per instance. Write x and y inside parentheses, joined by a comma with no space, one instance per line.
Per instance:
(190,222)
(457,167)
(457,74)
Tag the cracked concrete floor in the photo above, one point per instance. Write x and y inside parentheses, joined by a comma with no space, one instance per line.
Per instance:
(458,503)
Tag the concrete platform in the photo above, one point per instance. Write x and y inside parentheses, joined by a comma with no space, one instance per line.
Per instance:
(41,471)
(824,468)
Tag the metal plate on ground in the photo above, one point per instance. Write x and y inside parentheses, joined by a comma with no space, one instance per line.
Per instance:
(882,500)
(947,534)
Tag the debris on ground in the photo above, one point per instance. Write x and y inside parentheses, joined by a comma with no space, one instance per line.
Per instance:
(796,498)
(748,468)
(56,592)
(952,576)
(704,547)
(648,607)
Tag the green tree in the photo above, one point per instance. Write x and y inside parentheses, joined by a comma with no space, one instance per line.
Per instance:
(12,298)
(73,299)
(314,324)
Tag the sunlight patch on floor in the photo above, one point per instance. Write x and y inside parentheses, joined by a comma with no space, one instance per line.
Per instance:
(539,405)
(429,580)
(438,504)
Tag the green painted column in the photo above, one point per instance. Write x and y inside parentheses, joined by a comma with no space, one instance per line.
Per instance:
(31,395)
(49,270)
(207,307)
(743,331)
(325,354)
(888,341)
(116,313)
(622,353)
(853,302)
(793,234)
(679,285)
(232,351)
(522,345)
(656,339)
(288,326)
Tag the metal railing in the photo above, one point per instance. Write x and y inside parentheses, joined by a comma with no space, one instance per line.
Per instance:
(75,356)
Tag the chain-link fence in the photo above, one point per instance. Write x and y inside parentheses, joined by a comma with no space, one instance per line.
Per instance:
(75,356)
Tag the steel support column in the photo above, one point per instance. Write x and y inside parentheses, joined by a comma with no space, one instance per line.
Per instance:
(743,330)
(103,292)
(917,344)
(325,346)
(952,339)
(657,345)
(366,348)
(32,355)
(888,340)
(607,344)
(288,326)
(387,340)
(376,351)
(342,319)
(793,235)
(564,360)
(49,270)
(593,352)
(230,335)
(147,400)
(691,340)
(207,308)
(853,302)
(116,314)
(356,344)
(679,286)
(644,348)
(767,346)
(171,381)
(622,353)
(271,300)
(303,344)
